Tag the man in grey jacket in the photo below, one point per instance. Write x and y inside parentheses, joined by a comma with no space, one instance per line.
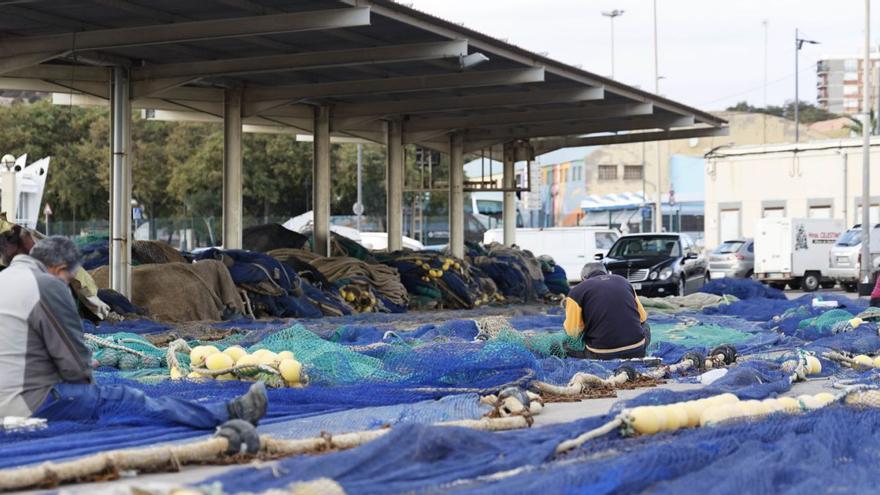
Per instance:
(45,366)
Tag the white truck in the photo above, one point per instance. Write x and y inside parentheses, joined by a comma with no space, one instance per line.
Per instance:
(570,247)
(795,251)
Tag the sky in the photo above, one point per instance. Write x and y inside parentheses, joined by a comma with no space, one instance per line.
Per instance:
(711,52)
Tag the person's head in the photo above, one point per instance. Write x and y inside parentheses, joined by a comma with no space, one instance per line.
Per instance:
(593,269)
(60,255)
(14,240)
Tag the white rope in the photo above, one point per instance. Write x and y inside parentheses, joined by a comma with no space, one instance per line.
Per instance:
(111,345)
(603,430)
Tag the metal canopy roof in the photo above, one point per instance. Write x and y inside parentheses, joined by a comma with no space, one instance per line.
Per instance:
(371,60)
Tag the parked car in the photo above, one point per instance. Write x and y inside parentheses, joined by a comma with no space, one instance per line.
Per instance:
(846,256)
(733,259)
(658,264)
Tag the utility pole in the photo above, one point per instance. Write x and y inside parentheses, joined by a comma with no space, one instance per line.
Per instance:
(359,205)
(764,116)
(611,15)
(798,44)
(867,262)
(658,201)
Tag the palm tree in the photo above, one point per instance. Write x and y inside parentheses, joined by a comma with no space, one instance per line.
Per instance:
(855,124)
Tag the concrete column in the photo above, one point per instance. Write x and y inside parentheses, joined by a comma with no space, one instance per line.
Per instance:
(120,183)
(456,195)
(321,182)
(232,170)
(9,193)
(394,185)
(509,207)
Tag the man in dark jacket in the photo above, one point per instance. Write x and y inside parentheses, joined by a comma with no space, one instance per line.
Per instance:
(45,366)
(606,314)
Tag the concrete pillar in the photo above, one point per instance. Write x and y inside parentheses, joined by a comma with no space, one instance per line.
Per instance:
(509,206)
(321,182)
(394,185)
(9,193)
(456,195)
(232,170)
(120,182)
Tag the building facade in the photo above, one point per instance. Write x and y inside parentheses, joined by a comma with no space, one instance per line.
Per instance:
(820,179)
(840,85)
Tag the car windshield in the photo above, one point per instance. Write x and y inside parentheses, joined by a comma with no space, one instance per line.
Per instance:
(645,247)
(852,237)
(729,247)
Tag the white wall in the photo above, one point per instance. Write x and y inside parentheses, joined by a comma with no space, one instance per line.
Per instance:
(756,178)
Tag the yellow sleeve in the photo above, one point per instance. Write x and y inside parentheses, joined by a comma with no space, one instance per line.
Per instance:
(643,315)
(574,318)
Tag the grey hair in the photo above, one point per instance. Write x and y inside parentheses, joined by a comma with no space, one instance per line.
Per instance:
(57,250)
(591,267)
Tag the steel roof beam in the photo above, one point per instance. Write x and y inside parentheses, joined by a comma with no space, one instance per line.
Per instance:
(477,139)
(181,32)
(474,102)
(551,144)
(398,84)
(532,116)
(306,60)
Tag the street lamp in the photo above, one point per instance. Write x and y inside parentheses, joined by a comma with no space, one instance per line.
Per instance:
(611,15)
(798,44)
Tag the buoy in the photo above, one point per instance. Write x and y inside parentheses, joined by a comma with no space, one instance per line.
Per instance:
(754,408)
(247,360)
(227,376)
(196,376)
(201,352)
(285,355)
(824,398)
(809,402)
(864,361)
(856,322)
(645,420)
(235,352)
(789,404)
(291,370)
(814,366)
(175,373)
(219,361)
(694,409)
(676,417)
(712,415)
(267,358)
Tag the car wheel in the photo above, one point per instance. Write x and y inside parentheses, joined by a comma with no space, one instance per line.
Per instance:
(810,282)
(750,274)
(850,287)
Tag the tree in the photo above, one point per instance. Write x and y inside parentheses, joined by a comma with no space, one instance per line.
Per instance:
(808,113)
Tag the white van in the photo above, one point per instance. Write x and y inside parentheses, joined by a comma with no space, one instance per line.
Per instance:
(795,251)
(570,247)
(846,256)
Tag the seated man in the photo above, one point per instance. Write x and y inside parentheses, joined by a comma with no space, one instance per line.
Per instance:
(605,312)
(45,366)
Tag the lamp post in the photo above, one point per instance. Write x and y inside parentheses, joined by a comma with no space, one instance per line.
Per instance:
(867,260)
(798,44)
(611,15)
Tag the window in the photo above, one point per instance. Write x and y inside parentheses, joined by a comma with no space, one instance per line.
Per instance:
(632,172)
(774,212)
(567,174)
(850,89)
(729,224)
(823,211)
(851,65)
(549,177)
(607,172)
(604,240)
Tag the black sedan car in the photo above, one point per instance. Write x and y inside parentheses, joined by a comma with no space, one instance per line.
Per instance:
(659,265)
